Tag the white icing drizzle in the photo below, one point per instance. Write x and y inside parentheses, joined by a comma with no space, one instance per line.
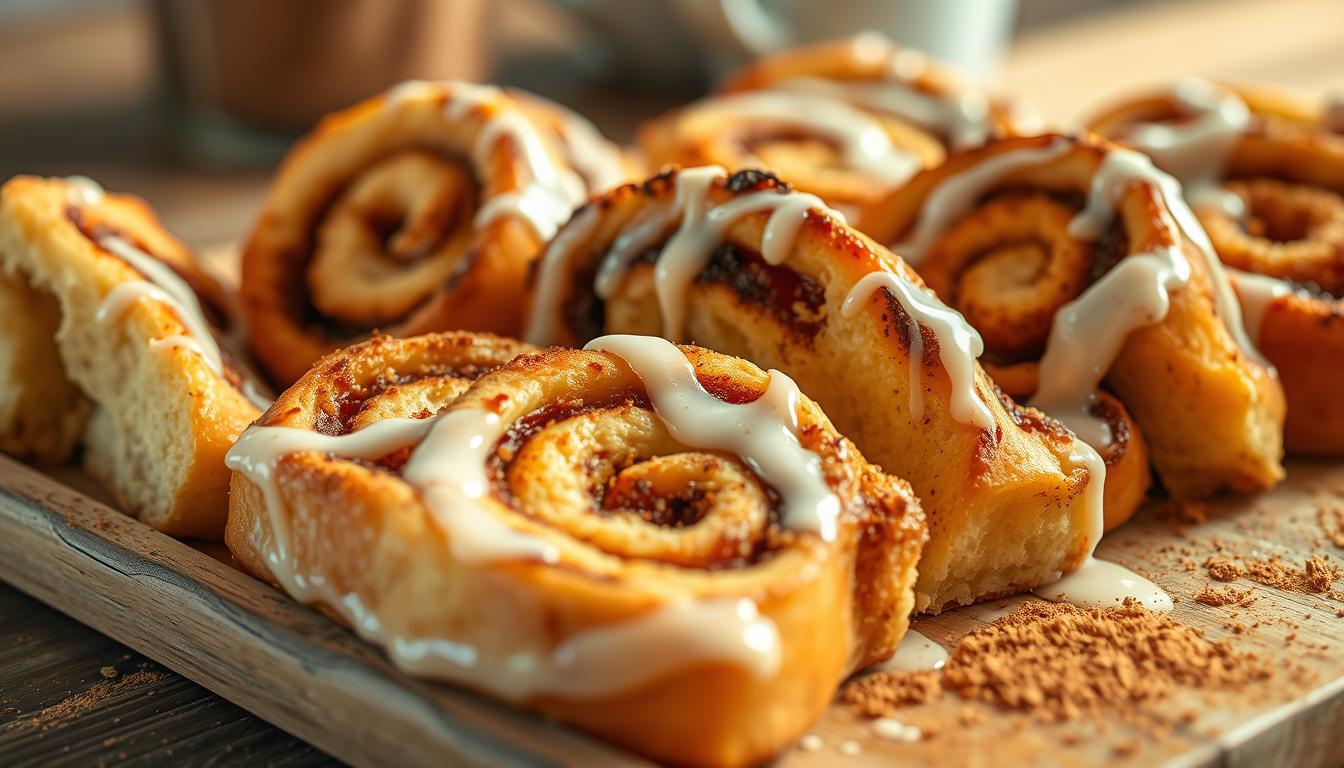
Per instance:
(915,653)
(764,432)
(163,285)
(1256,294)
(963,115)
(863,141)
(959,345)
(1100,583)
(543,320)
(447,468)
(956,194)
(702,226)
(553,192)
(1195,151)
(1089,331)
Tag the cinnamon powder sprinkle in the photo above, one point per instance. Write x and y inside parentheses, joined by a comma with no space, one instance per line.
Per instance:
(1331,521)
(1061,663)
(1225,596)
(1223,569)
(1317,575)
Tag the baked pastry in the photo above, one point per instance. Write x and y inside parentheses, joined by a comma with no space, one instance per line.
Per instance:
(415,211)
(744,265)
(113,327)
(663,546)
(1265,175)
(846,120)
(1079,262)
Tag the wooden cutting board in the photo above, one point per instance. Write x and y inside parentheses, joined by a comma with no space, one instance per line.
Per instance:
(189,609)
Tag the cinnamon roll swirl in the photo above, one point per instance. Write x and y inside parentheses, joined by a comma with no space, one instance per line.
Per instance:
(1265,175)
(744,265)
(1079,263)
(417,210)
(847,120)
(111,342)
(664,546)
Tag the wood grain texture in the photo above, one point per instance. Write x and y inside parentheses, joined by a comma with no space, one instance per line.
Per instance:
(251,644)
(197,615)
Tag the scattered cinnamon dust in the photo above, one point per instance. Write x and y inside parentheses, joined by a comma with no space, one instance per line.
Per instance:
(1059,663)
(1331,521)
(1223,568)
(86,700)
(877,695)
(1225,596)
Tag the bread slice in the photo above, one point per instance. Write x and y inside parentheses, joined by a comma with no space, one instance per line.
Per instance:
(108,340)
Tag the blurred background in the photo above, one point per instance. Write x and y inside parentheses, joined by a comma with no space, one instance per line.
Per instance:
(189,103)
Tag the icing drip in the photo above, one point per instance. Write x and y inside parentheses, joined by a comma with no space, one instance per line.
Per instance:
(915,653)
(163,285)
(447,468)
(958,343)
(1257,293)
(763,432)
(544,319)
(553,192)
(1100,583)
(863,141)
(1195,151)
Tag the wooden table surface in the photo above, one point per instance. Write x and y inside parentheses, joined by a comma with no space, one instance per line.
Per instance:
(75,98)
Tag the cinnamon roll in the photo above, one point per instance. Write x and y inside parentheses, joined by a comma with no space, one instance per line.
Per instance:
(1079,263)
(417,210)
(846,120)
(664,546)
(111,343)
(1265,175)
(744,265)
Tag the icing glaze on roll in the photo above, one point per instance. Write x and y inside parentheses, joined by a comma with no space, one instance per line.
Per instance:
(448,468)
(700,227)
(1194,151)
(959,345)
(1088,332)
(963,116)
(764,432)
(863,143)
(163,285)
(552,193)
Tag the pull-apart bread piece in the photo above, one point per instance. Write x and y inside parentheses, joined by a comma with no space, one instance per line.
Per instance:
(745,265)
(1265,175)
(111,343)
(662,545)
(418,210)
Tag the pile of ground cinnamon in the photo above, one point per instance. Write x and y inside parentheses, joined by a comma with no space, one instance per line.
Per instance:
(1058,662)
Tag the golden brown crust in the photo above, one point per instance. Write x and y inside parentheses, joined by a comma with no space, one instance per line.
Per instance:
(1015,482)
(1210,415)
(637,519)
(373,222)
(154,421)
(1287,167)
